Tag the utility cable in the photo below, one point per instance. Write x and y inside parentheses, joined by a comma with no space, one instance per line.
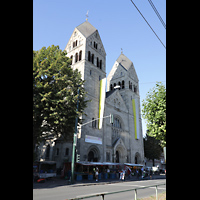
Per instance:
(148,24)
(152,82)
(157,13)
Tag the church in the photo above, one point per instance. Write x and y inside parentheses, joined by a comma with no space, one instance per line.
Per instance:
(100,140)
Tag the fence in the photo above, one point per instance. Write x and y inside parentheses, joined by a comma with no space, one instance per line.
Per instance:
(107,193)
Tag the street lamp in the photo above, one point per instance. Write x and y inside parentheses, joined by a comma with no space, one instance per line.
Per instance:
(74,140)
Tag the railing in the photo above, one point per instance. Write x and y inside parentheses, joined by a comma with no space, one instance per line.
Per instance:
(107,193)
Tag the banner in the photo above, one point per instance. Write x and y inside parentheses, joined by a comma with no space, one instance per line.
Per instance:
(135,105)
(102,100)
(92,139)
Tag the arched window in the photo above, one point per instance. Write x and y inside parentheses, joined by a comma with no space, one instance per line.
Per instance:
(100,64)
(92,58)
(119,83)
(122,84)
(76,42)
(135,89)
(94,123)
(76,57)
(88,55)
(80,55)
(117,123)
(111,87)
(94,44)
(71,59)
(97,62)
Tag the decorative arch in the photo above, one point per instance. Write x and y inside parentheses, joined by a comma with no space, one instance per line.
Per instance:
(93,154)
(120,151)
(118,122)
(137,158)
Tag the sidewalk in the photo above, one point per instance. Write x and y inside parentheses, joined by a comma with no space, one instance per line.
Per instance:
(57,182)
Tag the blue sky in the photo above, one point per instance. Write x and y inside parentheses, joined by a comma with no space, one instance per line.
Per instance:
(120,26)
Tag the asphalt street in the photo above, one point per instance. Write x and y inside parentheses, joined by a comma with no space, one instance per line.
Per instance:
(77,190)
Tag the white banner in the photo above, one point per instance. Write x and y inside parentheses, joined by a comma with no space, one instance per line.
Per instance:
(92,139)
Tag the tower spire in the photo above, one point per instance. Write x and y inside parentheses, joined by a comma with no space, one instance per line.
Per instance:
(87,15)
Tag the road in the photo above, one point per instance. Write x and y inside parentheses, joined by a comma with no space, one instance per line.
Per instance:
(71,191)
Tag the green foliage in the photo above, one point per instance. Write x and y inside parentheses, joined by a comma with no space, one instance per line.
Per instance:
(154,111)
(55,86)
(152,149)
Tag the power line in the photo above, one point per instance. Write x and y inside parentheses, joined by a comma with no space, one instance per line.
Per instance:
(157,13)
(152,82)
(148,24)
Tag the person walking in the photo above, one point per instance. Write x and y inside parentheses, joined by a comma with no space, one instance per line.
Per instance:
(97,173)
(137,174)
(150,173)
(123,175)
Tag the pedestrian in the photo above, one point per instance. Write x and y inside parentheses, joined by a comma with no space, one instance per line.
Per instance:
(123,175)
(137,174)
(150,173)
(96,173)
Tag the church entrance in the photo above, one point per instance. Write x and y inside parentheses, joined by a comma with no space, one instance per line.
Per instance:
(93,155)
(120,152)
(137,158)
(117,156)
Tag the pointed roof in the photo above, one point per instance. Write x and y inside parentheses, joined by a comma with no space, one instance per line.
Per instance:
(124,61)
(86,28)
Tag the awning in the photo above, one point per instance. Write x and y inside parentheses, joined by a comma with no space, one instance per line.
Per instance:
(98,163)
(133,165)
(46,162)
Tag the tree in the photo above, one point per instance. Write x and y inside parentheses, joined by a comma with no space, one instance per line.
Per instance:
(152,149)
(154,111)
(55,86)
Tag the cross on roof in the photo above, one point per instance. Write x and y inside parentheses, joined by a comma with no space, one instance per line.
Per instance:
(87,15)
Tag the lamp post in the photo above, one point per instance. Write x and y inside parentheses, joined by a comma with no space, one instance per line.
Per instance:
(74,141)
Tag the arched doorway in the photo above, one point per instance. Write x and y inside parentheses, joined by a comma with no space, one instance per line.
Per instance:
(117,156)
(119,151)
(93,154)
(137,158)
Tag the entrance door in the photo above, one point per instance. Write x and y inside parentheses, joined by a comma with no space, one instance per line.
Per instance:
(117,156)
(91,156)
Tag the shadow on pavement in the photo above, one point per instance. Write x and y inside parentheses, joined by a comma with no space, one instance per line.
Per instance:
(57,182)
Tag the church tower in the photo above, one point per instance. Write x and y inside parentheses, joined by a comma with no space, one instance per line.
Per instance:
(123,74)
(88,55)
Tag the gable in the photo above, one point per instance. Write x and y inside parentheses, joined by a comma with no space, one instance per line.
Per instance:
(124,61)
(75,36)
(95,37)
(132,73)
(114,98)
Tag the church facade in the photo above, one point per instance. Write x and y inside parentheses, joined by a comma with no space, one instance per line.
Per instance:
(100,140)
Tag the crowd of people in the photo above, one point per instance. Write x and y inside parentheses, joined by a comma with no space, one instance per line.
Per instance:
(128,173)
